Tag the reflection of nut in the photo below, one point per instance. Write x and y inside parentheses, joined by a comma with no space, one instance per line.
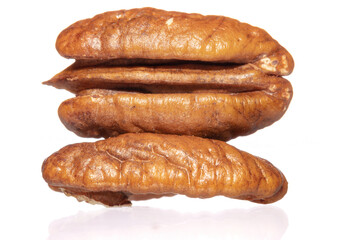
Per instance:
(134,164)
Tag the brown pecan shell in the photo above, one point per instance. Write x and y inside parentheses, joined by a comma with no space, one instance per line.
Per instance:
(111,170)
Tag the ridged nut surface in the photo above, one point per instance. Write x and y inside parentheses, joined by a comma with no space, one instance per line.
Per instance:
(155,164)
(149,33)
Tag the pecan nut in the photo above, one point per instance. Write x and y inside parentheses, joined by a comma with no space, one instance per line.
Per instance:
(157,34)
(135,166)
(207,76)
(214,101)
(144,76)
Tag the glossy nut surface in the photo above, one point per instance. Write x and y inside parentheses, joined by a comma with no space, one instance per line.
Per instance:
(207,101)
(141,164)
(157,34)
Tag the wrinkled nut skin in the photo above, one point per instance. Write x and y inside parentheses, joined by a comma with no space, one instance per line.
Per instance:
(208,76)
(183,77)
(218,115)
(156,164)
(149,70)
(149,33)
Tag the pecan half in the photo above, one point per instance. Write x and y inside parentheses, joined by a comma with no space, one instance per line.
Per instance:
(207,101)
(135,166)
(149,33)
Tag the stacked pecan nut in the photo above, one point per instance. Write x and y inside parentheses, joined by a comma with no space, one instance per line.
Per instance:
(166,89)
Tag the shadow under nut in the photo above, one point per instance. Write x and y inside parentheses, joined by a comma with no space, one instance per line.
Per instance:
(156,164)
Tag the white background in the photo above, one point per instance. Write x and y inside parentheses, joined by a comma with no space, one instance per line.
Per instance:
(315,144)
